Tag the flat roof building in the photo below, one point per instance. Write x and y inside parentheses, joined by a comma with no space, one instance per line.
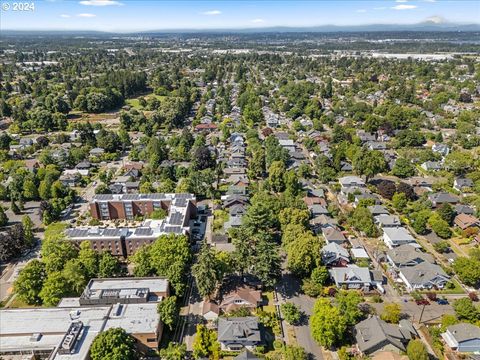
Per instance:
(123,241)
(67,332)
(128,206)
(124,290)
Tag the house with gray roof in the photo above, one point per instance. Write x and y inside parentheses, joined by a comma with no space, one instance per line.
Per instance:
(317,210)
(239,333)
(365,136)
(464,209)
(407,255)
(440,198)
(351,182)
(322,221)
(378,210)
(352,277)
(432,166)
(385,221)
(335,255)
(332,234)
(423,276)
(463,337)
(461,184)
(396,236)
(374,335)
(441,149)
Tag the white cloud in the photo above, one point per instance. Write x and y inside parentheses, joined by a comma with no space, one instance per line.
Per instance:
(430,1)
(257,21)
(361,11)
(404,7)
(401,1)
(100,2)
(65,16)
(86,15)
(212,12)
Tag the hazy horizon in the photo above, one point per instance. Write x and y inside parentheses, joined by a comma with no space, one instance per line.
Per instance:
(144,16)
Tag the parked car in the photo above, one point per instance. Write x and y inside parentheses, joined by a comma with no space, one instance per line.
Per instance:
(422,302)
(442,302)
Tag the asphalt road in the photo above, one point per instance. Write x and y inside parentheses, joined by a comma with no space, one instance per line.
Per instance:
(289,290)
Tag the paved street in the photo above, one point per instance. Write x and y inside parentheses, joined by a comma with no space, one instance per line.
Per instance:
(289,290)
(11,271)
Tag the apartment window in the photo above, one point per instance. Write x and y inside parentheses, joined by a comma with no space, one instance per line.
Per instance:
(151,340)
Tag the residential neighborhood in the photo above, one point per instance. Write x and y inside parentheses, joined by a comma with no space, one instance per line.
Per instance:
(206,193)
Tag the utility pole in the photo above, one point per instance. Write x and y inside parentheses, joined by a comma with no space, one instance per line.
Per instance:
(421,314)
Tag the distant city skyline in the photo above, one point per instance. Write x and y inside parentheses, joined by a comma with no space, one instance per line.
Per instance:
(140,15)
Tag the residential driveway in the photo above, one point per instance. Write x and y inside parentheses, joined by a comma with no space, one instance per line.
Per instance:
(289,291)
(431,313)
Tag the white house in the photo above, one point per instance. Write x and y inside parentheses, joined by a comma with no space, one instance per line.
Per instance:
(396,236)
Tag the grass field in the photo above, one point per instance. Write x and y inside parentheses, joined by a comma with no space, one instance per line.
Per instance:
(135,103)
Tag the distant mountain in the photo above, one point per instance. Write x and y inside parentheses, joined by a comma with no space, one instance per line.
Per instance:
(432,24)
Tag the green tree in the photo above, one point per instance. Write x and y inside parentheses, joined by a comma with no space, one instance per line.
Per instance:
(289,216)
(370,163)
(206,272)
(256,165)
(3,217)
(266,262)
(27,224)
(30,282)
(291,313)
(362,219)
(55,252)
(205,343)
(174,352)
(75,275)
(168,311)
(113,344)
(291,352)
(55,287)
(320,275)
(468,270)
(391,313)
(303,254)
(142,262)
(348,302)
(416,350)
(419,221)
(327,325)
(88,259)
(459,161)
(276,173)
(446,212)
(30,190)
(465,310)
(108,266)
(399,201)
(170,256)
(439,226)
(403,168)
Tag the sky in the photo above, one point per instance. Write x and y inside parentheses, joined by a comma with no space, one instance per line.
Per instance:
(141,15)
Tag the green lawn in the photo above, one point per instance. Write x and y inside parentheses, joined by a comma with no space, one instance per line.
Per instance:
(135,103)
(268,299)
